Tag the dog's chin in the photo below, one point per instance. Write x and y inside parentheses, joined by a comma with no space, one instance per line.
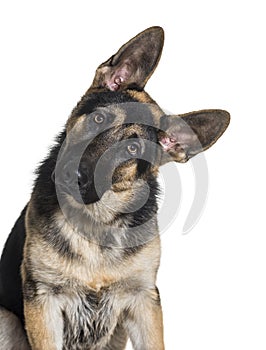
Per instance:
(89,199)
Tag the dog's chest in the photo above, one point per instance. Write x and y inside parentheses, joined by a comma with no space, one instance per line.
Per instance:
(89,320)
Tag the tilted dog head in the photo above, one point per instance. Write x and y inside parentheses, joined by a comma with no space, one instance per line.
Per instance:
(117,136)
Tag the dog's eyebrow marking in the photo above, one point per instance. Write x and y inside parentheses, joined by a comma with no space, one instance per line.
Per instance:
(140,96)
(134,129)
(75,122)
(117,111)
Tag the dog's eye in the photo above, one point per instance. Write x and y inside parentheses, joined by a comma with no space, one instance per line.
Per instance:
(133,149)
(98,118)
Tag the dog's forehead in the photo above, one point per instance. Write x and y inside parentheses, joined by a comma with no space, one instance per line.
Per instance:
(133,113)
(117,118)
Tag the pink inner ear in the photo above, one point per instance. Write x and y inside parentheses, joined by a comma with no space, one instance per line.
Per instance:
(167,143)
(114,84)
(120,76)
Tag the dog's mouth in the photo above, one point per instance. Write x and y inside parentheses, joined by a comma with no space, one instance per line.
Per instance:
(84,191)
(77,186)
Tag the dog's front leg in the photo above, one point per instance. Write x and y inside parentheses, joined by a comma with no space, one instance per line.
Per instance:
(145,322)
(44,324)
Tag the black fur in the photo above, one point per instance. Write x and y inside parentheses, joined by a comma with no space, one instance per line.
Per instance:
(10,277)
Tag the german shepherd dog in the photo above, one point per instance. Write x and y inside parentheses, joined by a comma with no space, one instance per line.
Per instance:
(78,270)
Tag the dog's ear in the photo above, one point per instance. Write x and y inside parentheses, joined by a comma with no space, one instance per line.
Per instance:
(133,64)
(184,136)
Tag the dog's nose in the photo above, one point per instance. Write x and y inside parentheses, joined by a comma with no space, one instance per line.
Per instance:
(83,179)
(69,175)
(74,175)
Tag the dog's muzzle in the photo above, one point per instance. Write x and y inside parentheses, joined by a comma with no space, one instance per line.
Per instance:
(77,181)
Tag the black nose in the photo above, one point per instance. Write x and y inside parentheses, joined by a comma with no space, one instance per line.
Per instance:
(83,179)
(76,175)
(70,174)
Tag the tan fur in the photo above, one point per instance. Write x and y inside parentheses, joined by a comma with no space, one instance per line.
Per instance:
(92,268)
(127,174)
(157,113)
(113,200)
(44,326)
(91,272)
(145,325)
(77,123)
(141,96)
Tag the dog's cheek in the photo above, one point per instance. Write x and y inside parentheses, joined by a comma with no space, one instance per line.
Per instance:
(126,172)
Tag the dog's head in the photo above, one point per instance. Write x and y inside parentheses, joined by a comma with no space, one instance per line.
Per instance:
(117,136)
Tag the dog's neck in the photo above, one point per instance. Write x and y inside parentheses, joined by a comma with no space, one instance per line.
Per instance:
(117,220)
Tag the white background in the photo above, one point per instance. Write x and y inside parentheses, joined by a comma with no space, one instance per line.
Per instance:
(212,281)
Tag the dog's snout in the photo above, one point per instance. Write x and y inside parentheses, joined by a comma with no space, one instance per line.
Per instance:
(75,174)
(70,173)
(77,179)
